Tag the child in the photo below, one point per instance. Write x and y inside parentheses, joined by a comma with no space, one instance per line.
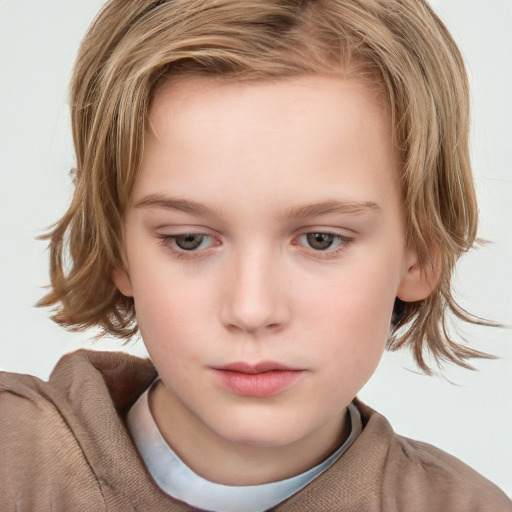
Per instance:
(262,189)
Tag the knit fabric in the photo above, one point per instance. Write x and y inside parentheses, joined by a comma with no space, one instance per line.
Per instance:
(65,447)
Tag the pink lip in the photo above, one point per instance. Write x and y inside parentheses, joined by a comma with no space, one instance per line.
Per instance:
(262,379)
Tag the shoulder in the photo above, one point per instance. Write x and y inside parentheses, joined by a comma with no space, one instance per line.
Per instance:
(419,476)
(38,445)
(426,474)
(382,471)
(52,432)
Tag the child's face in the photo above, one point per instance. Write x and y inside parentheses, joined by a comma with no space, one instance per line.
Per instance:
(267,226)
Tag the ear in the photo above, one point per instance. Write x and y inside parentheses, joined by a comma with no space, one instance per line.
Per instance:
(418,282)
(123,282)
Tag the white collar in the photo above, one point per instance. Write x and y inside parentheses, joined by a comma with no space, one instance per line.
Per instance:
(176,479)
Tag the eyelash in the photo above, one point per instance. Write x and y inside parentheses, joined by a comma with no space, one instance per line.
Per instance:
(343,242)
(169,242)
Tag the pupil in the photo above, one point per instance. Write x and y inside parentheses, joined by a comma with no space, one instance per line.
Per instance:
(189,242)
(320,241)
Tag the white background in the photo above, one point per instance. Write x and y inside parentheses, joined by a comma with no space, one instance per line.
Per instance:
(465,413)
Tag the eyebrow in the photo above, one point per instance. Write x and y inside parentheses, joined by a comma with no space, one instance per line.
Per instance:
(332,207)
(298,212)
(174,203)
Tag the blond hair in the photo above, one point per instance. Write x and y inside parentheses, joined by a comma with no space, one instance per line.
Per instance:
(400,46)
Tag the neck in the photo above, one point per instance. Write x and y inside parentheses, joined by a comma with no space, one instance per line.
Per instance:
(226,462)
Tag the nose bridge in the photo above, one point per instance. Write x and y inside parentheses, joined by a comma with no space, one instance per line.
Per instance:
(254,299)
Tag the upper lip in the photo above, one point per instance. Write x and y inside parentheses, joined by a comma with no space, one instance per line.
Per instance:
(255,368)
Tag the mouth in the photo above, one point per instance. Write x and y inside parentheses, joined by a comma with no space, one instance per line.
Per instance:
(262,379)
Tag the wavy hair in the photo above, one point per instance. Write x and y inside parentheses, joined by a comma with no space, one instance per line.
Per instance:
(398,46)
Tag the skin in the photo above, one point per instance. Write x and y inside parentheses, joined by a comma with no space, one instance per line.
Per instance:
(242,164)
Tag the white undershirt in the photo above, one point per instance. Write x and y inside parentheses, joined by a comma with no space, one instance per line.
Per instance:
(176,479)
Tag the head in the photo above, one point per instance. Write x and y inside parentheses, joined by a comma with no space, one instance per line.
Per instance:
(399,52)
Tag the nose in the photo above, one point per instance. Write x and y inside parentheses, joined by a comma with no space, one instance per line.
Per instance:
(255,294)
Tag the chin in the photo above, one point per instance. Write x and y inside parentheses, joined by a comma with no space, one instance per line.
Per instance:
(262,432)
(261,439)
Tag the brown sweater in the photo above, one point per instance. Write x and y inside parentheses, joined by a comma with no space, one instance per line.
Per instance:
(65,447)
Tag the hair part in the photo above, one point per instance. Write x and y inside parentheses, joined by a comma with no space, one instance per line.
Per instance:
(399,47)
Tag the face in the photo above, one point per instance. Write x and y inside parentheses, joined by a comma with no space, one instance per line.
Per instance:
(265,248)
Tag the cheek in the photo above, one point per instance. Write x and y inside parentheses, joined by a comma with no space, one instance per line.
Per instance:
(168,302)
(160,282)
(170,331)
(351,297)
(167,314)
(351,321)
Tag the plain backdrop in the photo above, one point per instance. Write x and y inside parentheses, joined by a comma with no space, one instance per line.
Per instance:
(468,414)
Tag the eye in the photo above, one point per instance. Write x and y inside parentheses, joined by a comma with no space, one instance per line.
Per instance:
(320,241)
(187,242)
(190,242)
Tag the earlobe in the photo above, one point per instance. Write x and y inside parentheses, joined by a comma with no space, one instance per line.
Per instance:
(417,282)
(123,282)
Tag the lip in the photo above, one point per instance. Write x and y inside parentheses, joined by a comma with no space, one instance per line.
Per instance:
(262,379)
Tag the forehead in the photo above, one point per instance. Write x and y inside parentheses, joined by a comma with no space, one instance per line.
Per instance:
(316,98)
(285,132)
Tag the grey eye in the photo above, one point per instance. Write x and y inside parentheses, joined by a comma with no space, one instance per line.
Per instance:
(189,242)
(320,241)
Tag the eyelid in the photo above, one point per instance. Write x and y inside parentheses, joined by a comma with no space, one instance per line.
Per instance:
(344,233)
(168,241)
(345,241)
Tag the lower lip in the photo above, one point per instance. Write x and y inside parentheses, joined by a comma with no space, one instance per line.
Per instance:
(260,384)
